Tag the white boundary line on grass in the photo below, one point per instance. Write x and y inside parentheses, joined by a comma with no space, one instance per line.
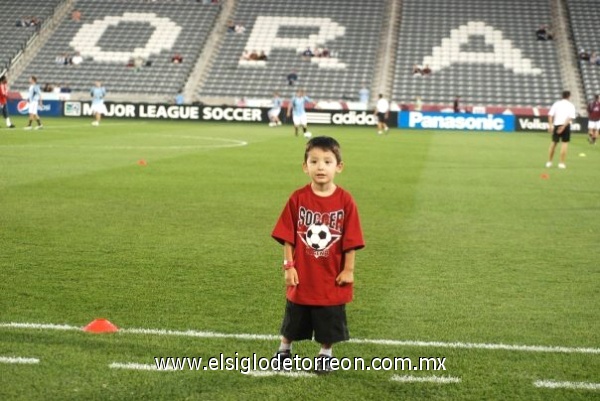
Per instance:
(138,366)
(569,385)
(246,336)
(268,373)
(19,359)
(225,143)
(426,379)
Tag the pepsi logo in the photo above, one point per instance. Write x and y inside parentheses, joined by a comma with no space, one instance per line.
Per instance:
(23,107)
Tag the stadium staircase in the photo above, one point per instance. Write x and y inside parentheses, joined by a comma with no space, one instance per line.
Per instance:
(384,75)
(583,17)
(22,44)
(563,36)
(205,61)
(111,33)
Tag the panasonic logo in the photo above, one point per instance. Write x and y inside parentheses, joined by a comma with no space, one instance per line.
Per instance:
(483,123)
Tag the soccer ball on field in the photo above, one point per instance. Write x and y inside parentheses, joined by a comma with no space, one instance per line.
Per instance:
(307,134)
(318,236)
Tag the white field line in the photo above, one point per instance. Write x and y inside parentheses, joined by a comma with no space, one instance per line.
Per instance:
(269,337)
(426,379)
(569,385)
(268,373)
(19,360)
(138,366)
(224,143)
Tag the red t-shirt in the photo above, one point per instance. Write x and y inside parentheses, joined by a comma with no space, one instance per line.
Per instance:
(3,94)
(321,229)
(594,111)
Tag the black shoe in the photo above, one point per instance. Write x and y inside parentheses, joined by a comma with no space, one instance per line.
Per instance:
(323,364)
(12,126)
(278,363)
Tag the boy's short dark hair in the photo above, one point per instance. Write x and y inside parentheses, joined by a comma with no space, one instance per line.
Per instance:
(566,94)
(325,143)
(34,78)
(3,78)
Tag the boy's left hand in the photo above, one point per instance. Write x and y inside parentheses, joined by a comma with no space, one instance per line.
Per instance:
(345,277)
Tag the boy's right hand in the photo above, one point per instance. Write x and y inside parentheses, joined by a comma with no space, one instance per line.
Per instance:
(291,277)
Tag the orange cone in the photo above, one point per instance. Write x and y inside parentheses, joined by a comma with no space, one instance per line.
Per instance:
(142,162)
(544,176)
(101,326)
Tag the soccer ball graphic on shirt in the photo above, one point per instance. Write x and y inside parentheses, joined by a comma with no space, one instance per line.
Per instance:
(318,236)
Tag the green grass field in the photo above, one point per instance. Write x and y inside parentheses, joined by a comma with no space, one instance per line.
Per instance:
(466,243)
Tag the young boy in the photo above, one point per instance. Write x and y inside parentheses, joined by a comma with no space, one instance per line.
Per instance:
(34,98)
(320,232)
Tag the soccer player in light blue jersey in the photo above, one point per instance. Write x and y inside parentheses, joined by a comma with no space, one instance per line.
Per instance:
(98,108)
(34,99)
(275,111)
(296,107)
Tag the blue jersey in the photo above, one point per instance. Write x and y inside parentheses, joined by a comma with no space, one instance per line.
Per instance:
(298,105)
(363,95)
(34,94)
(277,102)
(98,94)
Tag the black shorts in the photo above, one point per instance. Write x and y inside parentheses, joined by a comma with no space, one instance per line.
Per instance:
(4,108)
(565,136)
(327,322)
(381,117)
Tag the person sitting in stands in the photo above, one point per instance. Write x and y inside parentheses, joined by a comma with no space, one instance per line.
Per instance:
(307,53)
(584,55)
(292,77)
(77,59)
(426,70)
(230,26)
(416,70)
(177,59)
(541,33)
(262,56)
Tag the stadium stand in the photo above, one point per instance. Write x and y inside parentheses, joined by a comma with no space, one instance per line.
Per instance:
(584,16)
(350,29)
(484,52)
(113,33)
(15,38)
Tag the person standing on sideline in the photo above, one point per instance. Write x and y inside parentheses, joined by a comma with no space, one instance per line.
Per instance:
(34,98)
(560,116)
(382,110)
(275,111)
(363,95)
(297,110)
(456,104)
(4,100)
(98,107)
(594,119)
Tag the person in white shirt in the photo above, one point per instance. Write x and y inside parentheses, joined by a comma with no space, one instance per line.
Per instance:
(560,116)
(382,110)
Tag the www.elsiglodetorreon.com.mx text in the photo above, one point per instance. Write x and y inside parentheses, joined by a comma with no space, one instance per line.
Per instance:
(246,364)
